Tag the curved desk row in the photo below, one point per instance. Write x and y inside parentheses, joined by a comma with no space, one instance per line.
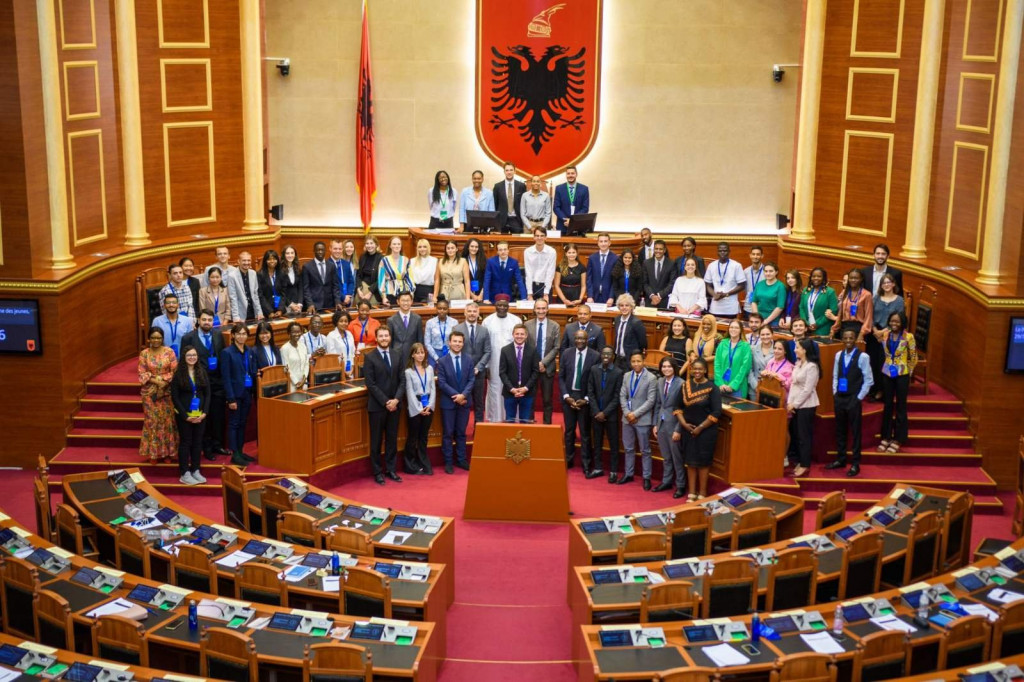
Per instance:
(172,646)
(995,627)
(98,503)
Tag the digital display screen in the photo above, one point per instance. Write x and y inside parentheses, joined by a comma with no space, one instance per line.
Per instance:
(978,677)
(204,533)
(782,624)
(802,543)
(354,512)
(907,500)
(285,483)
(137,496)
(846,533)
(316,560)
(6,535)
(85,576)
(971,582)
(165,515)
(312,499)
(39,557)
(369,631)
(143,593)
(734,500)
(390,570)
(855,613)
(1014,345)
(883,518)
(402,521)
(606,577)
(675,571)
(19,327)
(82,672)
(256,548)
(11,655)
(616,638)
(1013,563)
(700,633)
(591,527)
(285,621)
(650,521)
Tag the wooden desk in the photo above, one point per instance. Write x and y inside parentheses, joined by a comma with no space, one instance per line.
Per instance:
(174,648)
(751,442)
(95,499)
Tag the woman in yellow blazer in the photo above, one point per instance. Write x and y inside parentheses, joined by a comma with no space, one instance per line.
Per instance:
(900,360)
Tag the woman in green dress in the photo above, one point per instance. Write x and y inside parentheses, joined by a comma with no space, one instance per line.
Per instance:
(819,307)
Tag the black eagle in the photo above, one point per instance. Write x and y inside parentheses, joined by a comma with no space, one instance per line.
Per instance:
(538,95)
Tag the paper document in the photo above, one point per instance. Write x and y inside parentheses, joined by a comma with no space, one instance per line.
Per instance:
(235,559)
(7,675)
(395,537)
(980,610)
(331,583)
(724,655)
(38,648)
(137,477)
(823,643)
(1002,596)
(112,608)
(893,623)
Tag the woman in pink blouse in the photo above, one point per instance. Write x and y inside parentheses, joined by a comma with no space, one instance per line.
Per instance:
(779,367)
(801,404)
(856,307)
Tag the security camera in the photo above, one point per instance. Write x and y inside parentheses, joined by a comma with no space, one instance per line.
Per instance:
(777,73)
(285,67)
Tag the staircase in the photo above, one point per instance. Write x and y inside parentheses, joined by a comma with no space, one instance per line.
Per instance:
(939,453)
(106,430)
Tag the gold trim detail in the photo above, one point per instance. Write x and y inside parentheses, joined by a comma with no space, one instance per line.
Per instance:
(991,79)
(64,45)
(891,118)
(98,134)
(957,146)
(517,449)
(160,28)
(167,174)
(994,57)
(163,85)
(67,89)
(888,182)
(854,52)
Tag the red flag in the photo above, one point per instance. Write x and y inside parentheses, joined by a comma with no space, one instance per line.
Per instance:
(366,176)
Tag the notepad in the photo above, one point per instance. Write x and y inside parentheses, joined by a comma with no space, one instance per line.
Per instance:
(893,623)
(235,559)
(980,610)
(1002,596)
(823,643)
(395,537)
(725,656)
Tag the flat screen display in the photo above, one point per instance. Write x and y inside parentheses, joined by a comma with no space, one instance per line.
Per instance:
(142,593)
(676,571)
(782,624)
(354,512)
(285,621)
(85,576)
(650,521)
(616,638)
(312,499)
(372,631)
(402,521)
(11,655)
(82,672)
(19,327)
(734,500)
(165,515)
(1013,563)
(39,557)
(605,577)
(591,527)
(316,560)
(846,533)
(256,548)
(1014,346)
(883,518)
(700,633)
(855,613)
(204,533)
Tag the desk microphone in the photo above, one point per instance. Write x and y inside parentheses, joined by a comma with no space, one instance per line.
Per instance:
(237,521)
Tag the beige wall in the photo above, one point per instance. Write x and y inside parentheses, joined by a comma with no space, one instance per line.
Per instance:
(694,134)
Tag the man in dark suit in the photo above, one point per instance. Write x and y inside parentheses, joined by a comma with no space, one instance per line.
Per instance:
(628,332)
(659,277)
(571,198)
(509,189)
(406,328)
(646,249)
(384,381)
(603,388)
(209,346)
(518,371)
(502,276)
(319,282)
(669,399)
(873,273)
(574,371)
(544,333)
(478,347)
(455,382)
(599,271)
(595,335)
(238,371)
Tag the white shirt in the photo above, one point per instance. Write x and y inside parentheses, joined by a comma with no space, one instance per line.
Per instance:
(751,277)
(422,271)
(540,267)
(344,347)
(312,343)
(688,292)
(725,277)
(876,277)
(580,356)
(296,362)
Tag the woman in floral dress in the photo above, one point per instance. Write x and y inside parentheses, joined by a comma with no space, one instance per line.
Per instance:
(156,367)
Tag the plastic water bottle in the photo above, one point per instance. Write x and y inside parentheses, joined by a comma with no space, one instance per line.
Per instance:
(335,564)
(755,629)
(922,608)
(193,616)
(838,621)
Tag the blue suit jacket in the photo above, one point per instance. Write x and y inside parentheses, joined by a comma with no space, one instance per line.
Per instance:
(600,287)
(233,369)
(498,280)
(562,205)
(448,384)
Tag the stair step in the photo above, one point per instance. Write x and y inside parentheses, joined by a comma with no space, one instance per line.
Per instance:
(111,404)
(120,421)
(112,388)
(115,438)
(937,421)
(926,404)
(905,458)
(929,438)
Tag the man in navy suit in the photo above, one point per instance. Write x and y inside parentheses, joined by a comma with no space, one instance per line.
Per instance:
(455,381)
(573,374)
(501,273)
(628,332)
(599,271)
(571,198)
(209,347)
(384,374)
(595,335)
(320,289)
(238,371)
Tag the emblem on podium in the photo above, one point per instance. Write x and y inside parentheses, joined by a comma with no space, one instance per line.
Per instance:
(517,448)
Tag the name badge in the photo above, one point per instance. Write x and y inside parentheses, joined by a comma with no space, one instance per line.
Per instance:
(894,371)
(728,375)
(572,210)
(474,286)
(348,367)
(194,405)
(444,351)
(853,310)
(216,320)
(248,381)
(844,385)
(277,301)
(211,363)
(424,400)
(444,215)
(629,404)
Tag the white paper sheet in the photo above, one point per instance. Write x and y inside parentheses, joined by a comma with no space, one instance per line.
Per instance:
(981,610)
(395,537)
(724,655)
(111,608)
(331,583)
(893,623)
(235,559)
(7,675)
(1002,596)
(297,573)
(823,643)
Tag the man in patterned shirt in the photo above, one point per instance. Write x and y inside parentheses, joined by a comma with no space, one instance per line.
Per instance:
(177,286)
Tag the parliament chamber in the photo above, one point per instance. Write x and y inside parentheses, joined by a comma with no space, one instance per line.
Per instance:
(259,499)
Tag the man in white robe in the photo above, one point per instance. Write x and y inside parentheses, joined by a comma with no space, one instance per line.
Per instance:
(499,326)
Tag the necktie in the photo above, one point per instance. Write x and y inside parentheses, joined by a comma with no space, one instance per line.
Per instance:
(622,335)
(579,370)
(540,340)
(668,382)
(657,270)
(458,368)
(572,194)
(405,319)
(508,193)
(206,340)
(519,363)
(604,257)
(323,271)
(472,335)
(387,361)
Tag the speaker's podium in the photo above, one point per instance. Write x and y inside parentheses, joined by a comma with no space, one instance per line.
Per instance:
(517,474)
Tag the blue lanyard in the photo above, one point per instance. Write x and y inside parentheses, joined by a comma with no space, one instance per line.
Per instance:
(174,331)
(273,283)
(472,267)
(753,280)
(721,276)
(893,347)
(444,328)
(245,359)
(344,339)
(812,298)
(309,341)
(634,384)
(790,299)
(732,351)
(700,347)
(362,332)
(216,304)
(847,361)
(423,379)
(626,273)
(192,381)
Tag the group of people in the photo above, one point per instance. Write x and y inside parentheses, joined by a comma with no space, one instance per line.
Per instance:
(495,368)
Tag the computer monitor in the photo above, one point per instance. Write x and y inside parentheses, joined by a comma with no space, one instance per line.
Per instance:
(480,222)
(580,224)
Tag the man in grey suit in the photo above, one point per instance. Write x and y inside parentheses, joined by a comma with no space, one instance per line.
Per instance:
(406,327)
(669,398)
(544,334)
(637,397)
(595,335)
(478,346)
(244,290)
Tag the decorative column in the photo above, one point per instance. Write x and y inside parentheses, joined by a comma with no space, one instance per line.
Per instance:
(1002,137)
(252,115)
(53,126)
(810,103)
(924,129)
(131,125)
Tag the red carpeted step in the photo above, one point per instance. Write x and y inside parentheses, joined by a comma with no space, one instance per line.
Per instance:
(113,388)
(915,459)
(937,421)
(878,479)
(104,437)
(108,404)
(931,438)
(121,421)
(928,404)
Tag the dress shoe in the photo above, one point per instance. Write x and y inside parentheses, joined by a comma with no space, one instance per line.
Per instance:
(210,456)
(222,451)
(415,472)
(379,478)
(248,458)
(448,469)
(662,487)
(625,479)
(678,493)
(836,464)
(394,477)
(854,470)
(238,461)
(596,473)
(463,465)
(647,484)
(612,478)
(429,471)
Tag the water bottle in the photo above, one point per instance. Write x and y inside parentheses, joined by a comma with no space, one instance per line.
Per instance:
(922,608)
(193,616)
(755,629)
(335,564)
(838,622)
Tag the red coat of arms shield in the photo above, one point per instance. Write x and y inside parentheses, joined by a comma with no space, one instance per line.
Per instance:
(538,78)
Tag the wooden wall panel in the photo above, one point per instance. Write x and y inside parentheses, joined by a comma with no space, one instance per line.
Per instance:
(87,203)
(190,177)
(982,27)
(82,90)
(966,200)
(866,181)
(186,85)
(77,24)
(877,29)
